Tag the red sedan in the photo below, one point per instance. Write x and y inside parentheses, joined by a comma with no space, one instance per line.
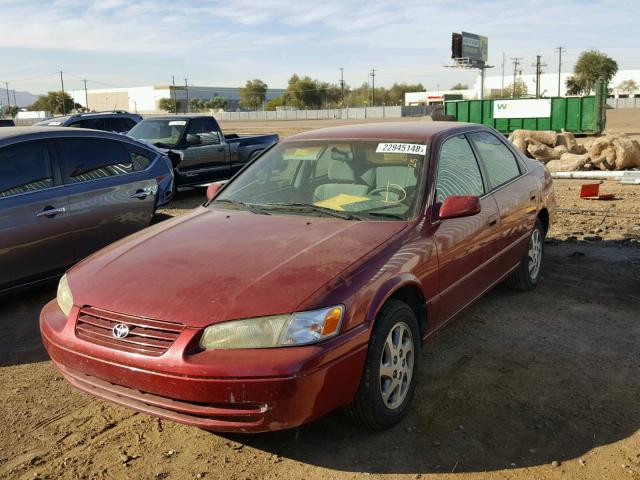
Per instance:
(307,282)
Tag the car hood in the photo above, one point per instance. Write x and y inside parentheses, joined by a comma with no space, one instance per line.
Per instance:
(214,265)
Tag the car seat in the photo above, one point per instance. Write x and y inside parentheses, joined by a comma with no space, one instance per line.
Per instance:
(341,176)
(401,175)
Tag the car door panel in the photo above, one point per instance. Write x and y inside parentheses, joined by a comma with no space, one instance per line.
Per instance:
(108,202)
(210,158)
(515,191)
(35,230)
(466,246)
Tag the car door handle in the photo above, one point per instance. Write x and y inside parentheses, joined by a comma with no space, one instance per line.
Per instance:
(532,195)
(51,212)
(145,192)
(493,219)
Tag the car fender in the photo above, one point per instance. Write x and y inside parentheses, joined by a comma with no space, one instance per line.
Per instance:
(386,291)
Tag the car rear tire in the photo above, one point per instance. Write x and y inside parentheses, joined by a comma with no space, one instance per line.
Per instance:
(391,369)
(527,275)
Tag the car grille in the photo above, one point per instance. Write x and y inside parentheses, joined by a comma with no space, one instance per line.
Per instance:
(146,336)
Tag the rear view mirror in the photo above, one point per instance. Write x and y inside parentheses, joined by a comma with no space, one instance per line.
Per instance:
(193,139)
(212,190)
(458,206)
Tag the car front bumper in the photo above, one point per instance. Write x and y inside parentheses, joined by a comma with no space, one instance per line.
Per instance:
(234,391)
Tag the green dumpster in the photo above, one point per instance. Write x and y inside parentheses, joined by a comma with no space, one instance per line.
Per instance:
(585,115)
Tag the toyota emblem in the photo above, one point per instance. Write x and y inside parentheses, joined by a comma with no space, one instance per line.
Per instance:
(120,331)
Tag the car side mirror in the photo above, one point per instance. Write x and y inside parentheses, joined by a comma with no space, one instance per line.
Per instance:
(458,206)
(212,190)
(193,139)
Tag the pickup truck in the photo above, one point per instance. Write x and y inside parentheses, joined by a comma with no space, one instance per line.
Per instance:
(199,151)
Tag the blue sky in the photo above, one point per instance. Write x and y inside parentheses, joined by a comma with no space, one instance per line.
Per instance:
(224,43)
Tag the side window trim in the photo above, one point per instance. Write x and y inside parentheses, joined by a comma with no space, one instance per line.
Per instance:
(65,177)
(54,168)
(521,169)
(434,193)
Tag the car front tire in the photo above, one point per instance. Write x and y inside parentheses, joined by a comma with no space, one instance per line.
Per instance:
(527,275)
(391,369)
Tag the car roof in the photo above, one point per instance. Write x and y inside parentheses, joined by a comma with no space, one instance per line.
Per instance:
(177,117)
(417,131)
(41,132)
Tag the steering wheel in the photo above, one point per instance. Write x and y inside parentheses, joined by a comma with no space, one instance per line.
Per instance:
(384,192)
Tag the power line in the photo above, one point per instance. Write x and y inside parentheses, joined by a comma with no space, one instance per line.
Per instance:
(373,87)
(538,66)
(516,62)
(560,50)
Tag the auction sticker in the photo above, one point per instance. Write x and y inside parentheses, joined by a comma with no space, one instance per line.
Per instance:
(413,148)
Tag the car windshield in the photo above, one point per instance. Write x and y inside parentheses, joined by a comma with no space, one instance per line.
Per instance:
(354,180)
(161,133)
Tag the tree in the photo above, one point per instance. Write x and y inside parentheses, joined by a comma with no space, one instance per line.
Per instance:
(591,66)
(303,92)
(10,111)
(52,102)
(460,86)
(253,94)
(628,86)
(216,103)
(275,102)
(196,105)
(395,95)
(519,90)
(167,104)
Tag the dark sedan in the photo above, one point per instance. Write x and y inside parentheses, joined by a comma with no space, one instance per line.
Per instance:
(65,193)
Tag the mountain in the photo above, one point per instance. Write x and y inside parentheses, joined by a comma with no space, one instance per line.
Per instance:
(24,99)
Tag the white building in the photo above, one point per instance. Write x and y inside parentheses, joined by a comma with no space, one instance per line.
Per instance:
(146,99)
(435,97)
(493,86)
(548,83)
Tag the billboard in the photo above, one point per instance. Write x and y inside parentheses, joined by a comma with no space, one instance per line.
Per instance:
(534,108)
(474,48)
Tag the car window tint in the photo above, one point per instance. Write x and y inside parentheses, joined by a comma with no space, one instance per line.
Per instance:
(500,163)
(92,123)
(24,168)
(113,125)
(458,170)
(140,160)
(206,129)
(127,123)
(90,159)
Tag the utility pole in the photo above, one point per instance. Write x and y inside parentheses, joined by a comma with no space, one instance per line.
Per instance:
(15,103)
(64,108)
(86,95)
(342,86)
(175,101)
(373,87)
(502,89)
(6,84)
(186,88)
(516,62)
(559,50)
(538,66)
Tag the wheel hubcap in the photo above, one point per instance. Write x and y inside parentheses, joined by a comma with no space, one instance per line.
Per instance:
(535,254)
(396,365)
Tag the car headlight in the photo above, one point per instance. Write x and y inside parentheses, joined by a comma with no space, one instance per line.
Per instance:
(64,297)
(299,328)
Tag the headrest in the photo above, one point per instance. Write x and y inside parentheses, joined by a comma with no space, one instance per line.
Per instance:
(340,171)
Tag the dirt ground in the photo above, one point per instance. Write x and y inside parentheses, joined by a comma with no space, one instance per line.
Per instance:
(522,386)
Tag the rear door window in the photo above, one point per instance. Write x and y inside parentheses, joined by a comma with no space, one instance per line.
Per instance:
(91,158)
(25,168)
(92,123)
(458,170)
(500,164)
(114,125)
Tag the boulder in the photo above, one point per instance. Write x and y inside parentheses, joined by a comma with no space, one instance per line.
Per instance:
(568,162)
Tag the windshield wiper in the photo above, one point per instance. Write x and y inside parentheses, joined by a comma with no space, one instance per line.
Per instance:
(247,206)
(385,215)
(314,208)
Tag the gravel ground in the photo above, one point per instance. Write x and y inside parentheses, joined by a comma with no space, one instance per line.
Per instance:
(534,385)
